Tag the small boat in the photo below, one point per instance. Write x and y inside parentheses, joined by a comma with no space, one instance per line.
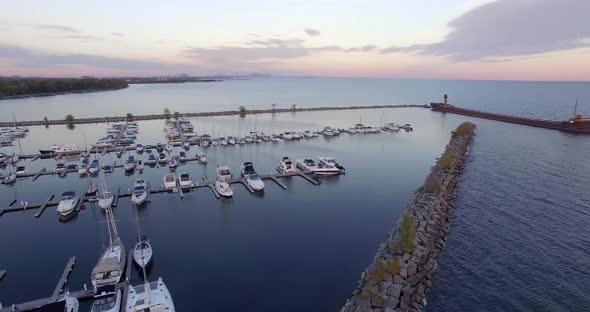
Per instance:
(142,253)
(3,157)
(107,302)
(159,147)
(21,170)
(173,164)
(119,151)
(10,178)
(139,166)
(56,149)
(139,195)
(169,182)
(71,167)
(83,169)
(214,142)
(287,136)
(130,164)
(247,169)
(168,148)
(67,203)
(248,139)
(231,140)
(391,127)
(162,158)
(182,156)
(186,145)
(223,141)
(105,200)
(139,148)
(107,168)
(285,166)
(153,296)
(151,160)
(241,141)
(60,167)
(223,188)
(201,158)
(327,166)
(85,154)
(185,180)
(255,182)
(93,168)
(308,134)
(92,189)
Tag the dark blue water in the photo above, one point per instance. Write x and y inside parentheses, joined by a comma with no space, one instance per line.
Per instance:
(519,241)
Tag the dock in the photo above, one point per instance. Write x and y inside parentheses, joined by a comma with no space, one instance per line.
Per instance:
(64,278)
(52,202)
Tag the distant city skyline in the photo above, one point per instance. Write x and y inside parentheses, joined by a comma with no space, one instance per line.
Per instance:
(455,39)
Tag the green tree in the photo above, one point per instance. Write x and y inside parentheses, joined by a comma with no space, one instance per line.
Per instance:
(293,107)
(176,115)
(129,117)
(69,119)
(243,111)
(167,112)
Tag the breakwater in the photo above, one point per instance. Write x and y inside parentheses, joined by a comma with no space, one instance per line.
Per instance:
(401,272)
(200,114)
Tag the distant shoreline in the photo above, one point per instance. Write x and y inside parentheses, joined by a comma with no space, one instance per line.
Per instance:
(107,119)
(24,96)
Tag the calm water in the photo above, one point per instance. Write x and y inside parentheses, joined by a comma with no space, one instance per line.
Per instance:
(520,240)
(553,100)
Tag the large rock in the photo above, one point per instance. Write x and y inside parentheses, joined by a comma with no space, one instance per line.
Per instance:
(394,291)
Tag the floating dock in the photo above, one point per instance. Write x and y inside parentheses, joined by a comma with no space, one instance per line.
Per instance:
(52,202)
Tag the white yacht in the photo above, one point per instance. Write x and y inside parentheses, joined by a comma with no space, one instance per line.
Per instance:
(185,181)
(20,170)
(152,296)
(139,195)
(107,302)
(173,164)
(130,164)
(222,185)
(255,182)
(67,203)
(201,158)
(169,181)
(142,253)
(109,269)
(56,149)
(105,199)
(168,147)
(162,159)
(285,166)
(139,148)
(93,168)
(328,166)
(92,189)
(60,167)
(305,164)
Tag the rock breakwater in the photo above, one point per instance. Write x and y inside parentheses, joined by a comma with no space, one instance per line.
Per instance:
(401,272)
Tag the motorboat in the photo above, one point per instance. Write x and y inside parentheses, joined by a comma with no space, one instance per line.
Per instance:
(67,203)
(107,168)
(185,180)
(186,145)
(169,181)
(139,166)
(3,157)
(162,158)
(223,173)
(151,160)
(71,167)
(139,148)
(407,127)
(85,154)
(201,158)
(153,296)
(93,168)
(173,164)
(168,147)
(130,164)
(20,170)
(105,200)
(329,132)
(391,127)
(83,169)
(223,141)
(306,164)
(247,169)
(231,140)
(327,166)
(92,189)
(10,178)
(285,166)
(241,141)
(139,195)
(57,149)
(255,182)
(107,302)
(60,167)
(308,134)
(142,253)
(182,156)
(159,147)
(119,151)
(223,188)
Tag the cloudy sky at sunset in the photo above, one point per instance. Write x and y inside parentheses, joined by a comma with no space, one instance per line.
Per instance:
(451,39)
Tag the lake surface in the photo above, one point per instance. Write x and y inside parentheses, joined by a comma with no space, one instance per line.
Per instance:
(519,242)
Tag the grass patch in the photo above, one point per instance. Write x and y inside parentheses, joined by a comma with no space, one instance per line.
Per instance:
(407,233)
(446,161)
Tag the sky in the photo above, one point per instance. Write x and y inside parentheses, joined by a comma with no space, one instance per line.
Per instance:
(451,39)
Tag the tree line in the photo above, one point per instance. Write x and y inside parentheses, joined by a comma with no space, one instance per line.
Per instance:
(29,86)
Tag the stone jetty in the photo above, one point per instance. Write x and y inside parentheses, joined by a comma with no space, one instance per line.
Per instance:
(401,272)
